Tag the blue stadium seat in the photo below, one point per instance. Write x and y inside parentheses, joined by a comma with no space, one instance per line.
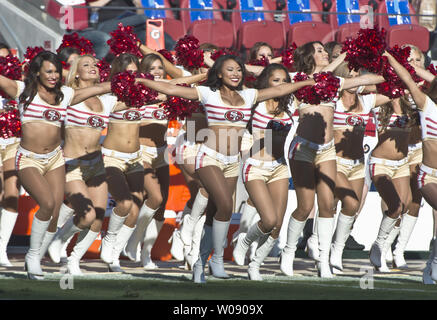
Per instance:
(402,29)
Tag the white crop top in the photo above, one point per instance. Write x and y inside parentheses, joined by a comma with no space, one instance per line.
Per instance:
(129,116)
(347,120)
(80,115)
(154,114)
(219,113)
(39,110)
(428,120)
(261,117)
(396,122)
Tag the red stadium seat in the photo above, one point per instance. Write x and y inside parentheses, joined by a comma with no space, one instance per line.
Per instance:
(185,14)
(174,28)
(409,34)
(254,31)
(303,32)
(346,31)
(267,30)
(218,32)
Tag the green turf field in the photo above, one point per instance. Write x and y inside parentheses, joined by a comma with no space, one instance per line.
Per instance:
(119,287)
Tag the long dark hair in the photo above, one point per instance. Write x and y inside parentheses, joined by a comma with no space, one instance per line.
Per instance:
(213,81)
(120,63)
(255,48)
(303,57)
(32,78)
(66,52)
(262,82)
(146,63)
(386,111)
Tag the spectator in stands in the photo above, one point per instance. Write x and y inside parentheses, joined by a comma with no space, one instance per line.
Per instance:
(4,49)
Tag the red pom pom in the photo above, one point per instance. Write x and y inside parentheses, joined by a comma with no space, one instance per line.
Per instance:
(221,52)
(10,67)
(124,40)
(83,45)
(188,53)
(288,56)
(324,90)
(305,94)
(365,51)
(31,52)
(390,90)
(263,62)
(104,70)
(10,124)
(180,108)
(326,86)
(132,94)
(431,68)
(394,87)
(167,55)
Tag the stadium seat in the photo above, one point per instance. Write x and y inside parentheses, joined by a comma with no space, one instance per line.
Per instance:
(409,34)
(402,29)
(257,26)
(172,26)
(79,15)
(387,6)
(346,31)
(218,32)
(345,25)
(303,32)
(303,6)
(207,26)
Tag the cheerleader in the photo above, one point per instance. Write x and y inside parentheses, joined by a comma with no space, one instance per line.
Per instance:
(10,186)
(86,189)
(404,231)
(40,164)
(9,181)
(261,50)
(390,171)
(228,108)
(67,55)
(265,173)
(427,176)
(350,119)
(155,160)
(312,154)
(122,157)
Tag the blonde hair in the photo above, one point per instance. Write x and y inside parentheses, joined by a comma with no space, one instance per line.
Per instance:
(414,48)
(71,80)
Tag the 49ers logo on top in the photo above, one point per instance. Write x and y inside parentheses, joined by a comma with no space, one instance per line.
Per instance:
(234,115)
(95,122)
(355,120)
(159,114)
(51,115)
(132,115)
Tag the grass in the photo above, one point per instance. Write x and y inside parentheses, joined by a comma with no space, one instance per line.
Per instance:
(181,288)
